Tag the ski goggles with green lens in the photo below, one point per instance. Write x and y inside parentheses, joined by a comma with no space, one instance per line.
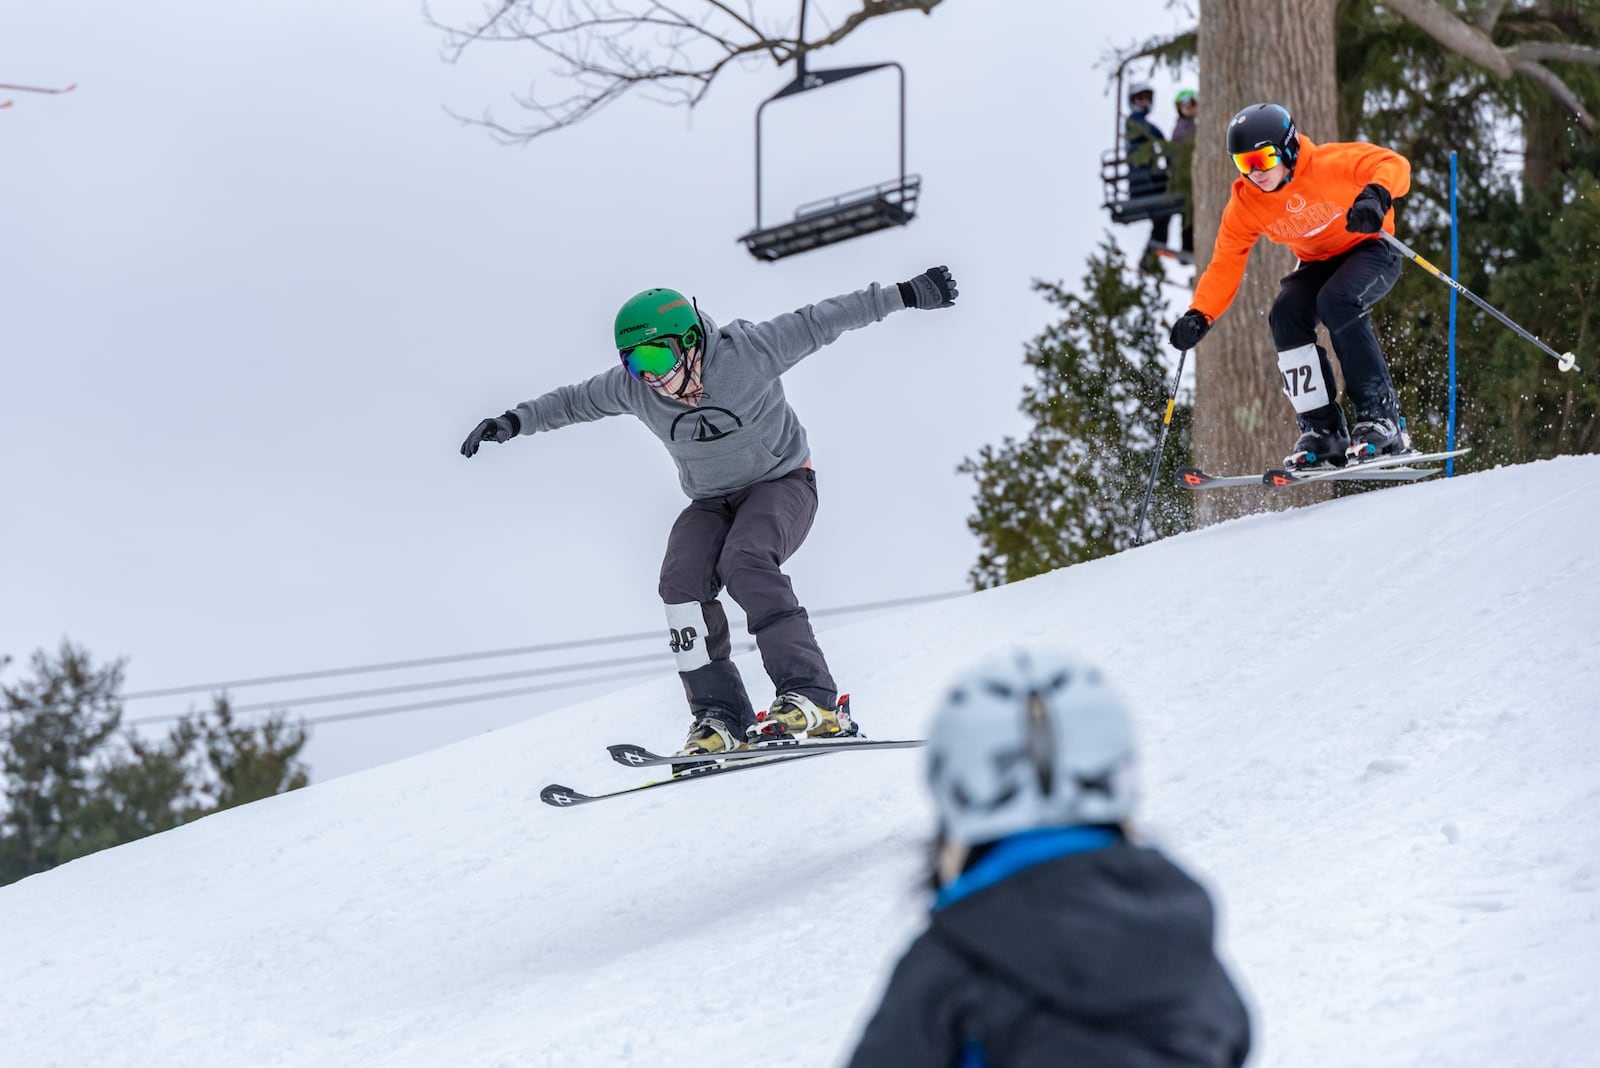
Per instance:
(660,355)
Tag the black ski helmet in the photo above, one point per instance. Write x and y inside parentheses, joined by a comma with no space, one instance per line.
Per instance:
(1265,124)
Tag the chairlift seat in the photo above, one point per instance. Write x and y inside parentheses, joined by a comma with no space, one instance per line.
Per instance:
(1135,209)
(827,222)
(1125,207)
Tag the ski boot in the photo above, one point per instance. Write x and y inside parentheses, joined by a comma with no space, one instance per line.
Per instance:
(1377,437)
(792,715)
(711,737)
(1319,448)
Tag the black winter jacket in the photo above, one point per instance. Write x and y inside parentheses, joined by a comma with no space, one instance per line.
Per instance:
(1099,959)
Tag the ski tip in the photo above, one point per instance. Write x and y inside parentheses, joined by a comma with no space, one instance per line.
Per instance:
(1192,476)
(562,796)
(631,756)
(1279,477)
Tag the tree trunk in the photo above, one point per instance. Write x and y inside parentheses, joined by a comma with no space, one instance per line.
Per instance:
(1545,127)
(1251,52)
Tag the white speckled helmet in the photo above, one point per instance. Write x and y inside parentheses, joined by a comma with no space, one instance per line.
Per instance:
(1031,737)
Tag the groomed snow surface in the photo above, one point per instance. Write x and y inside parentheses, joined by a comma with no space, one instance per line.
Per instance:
(1368,725)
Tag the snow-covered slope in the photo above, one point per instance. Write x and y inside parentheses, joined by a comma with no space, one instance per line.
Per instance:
(1369,725)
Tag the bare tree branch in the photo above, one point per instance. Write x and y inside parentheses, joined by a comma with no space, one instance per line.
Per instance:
(1560,51)
(1490,15)
(1558,89)
(1460,37)
(608,48)
(1474,43)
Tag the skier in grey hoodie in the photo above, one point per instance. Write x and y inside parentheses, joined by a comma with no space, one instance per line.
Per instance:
(714,397)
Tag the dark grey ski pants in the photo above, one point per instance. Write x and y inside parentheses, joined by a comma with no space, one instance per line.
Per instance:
(740,541)
(1340,292)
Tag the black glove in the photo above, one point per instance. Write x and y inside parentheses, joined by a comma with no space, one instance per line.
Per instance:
(1189,329)
(1365,216)
(500,428)
(934,288)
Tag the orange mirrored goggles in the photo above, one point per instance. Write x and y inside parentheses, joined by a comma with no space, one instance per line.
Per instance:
(1258,159)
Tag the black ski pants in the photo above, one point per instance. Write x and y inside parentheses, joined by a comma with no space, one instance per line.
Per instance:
(1339,293)
(739,542)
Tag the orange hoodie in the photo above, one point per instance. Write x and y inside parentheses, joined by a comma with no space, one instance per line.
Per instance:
(1307,213)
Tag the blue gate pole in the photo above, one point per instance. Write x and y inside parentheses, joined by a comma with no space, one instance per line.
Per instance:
(1450,432)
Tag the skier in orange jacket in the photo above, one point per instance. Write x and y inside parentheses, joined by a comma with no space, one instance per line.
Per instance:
(1327,203)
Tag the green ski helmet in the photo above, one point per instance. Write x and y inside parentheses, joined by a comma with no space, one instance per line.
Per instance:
(657,313)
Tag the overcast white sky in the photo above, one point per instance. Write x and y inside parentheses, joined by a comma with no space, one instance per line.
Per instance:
(256,285)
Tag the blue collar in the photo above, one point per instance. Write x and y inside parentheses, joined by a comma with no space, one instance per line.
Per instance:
(1022,851)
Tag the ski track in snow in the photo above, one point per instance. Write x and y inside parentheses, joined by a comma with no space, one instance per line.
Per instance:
(1368,726)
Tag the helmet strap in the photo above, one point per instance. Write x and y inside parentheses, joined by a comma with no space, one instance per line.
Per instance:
(691,369)
(950,860)
(1039,739)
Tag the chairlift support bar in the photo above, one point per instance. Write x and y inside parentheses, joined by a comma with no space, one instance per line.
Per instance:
(33,89)
(853,214)
(37,89)
(806,80)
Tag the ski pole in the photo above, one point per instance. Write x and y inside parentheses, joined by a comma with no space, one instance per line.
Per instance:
(1566,361)
(1161,442)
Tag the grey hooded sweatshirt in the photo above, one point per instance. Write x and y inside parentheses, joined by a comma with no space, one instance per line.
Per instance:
(743,430)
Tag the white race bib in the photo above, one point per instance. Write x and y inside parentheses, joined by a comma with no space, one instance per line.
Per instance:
(686,625)
(1303,382)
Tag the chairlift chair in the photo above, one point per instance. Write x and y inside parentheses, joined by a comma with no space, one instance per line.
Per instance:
(839,218)
(1119,199)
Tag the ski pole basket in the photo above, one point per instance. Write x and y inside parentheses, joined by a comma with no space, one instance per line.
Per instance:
(839,218)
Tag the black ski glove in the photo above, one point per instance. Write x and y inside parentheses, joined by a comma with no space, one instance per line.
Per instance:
(500,428)
(1365,216)
(1189,329)
(934,288)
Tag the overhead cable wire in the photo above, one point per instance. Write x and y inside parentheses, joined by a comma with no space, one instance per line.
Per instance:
(393,665)
(393,710)
(469,680)
(548,647)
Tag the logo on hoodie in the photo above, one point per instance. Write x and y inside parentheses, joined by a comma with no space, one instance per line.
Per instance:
(1303,219)
(704,427)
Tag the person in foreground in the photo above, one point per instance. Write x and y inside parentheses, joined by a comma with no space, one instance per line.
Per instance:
(1327,203)
(1055,939)
(713,396)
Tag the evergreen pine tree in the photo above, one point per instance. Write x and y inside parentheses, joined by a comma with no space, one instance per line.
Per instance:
(1070,490)
(143,787)
(76,783)
(251,761)
(54,725)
